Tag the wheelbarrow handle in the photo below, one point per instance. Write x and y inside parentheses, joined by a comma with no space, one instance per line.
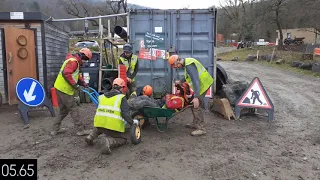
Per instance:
(85,91)
(187,107)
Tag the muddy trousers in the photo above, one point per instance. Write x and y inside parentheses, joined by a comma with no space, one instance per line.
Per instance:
(198,119)
(131,88)
(67,104)
(115,138)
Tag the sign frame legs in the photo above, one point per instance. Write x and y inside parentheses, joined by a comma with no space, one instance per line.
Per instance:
(24,109)
(269,111)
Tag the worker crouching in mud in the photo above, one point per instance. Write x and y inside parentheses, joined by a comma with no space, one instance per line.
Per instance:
(109,119)
(200,81)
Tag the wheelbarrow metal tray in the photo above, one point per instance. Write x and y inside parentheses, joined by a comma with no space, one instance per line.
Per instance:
(158,112)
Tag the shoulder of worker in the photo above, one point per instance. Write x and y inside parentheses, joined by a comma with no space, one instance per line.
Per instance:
(191,68)
(71,66)
(122,55)
(112,93)
(74,56)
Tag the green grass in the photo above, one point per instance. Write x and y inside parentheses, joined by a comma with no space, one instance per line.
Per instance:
(287,56)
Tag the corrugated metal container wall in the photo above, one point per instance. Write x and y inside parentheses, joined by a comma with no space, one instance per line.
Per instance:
(57,47)
(189,32)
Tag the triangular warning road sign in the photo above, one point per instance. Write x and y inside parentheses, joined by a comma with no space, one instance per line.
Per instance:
(255,96)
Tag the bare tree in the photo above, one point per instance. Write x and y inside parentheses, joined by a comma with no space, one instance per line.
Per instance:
(85,8)
(278,8)
(310,18)
(244,15)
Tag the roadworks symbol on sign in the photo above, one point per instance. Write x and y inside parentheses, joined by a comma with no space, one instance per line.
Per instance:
(255,97)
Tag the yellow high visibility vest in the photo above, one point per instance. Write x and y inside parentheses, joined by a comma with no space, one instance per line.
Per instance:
(108,113)
(205,78)
(132,66)
(61,84)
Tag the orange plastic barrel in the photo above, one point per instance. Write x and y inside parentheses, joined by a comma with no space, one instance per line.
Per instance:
(317,51)
(54,98)
(122,73)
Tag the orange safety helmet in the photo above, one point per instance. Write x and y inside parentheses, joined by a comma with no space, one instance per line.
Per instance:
(147,90)
(87,52)
(119,81)
(172,59)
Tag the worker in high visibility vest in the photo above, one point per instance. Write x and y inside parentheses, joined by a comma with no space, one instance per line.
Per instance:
(113,110)
(131,62)
(200,81)
(67,83)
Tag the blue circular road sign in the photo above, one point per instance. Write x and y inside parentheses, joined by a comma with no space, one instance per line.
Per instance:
(30,92)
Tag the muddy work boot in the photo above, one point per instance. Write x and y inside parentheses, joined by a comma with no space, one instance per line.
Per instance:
(89,140)
(190,126)
(107,147)
(83,133)
(61,130)
(198,132)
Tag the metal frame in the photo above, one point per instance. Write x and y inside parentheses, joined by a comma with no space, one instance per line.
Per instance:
(100,34)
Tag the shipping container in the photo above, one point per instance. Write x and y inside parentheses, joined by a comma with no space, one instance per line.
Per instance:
(153,33)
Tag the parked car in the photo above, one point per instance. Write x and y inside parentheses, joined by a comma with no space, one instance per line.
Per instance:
(86,43)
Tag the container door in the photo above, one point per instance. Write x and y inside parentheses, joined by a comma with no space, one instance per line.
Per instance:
(149,31)
(193,37)
(21,58)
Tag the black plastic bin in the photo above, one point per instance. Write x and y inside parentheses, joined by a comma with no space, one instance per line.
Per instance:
(90,70)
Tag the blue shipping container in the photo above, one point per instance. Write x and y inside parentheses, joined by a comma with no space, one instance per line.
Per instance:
(190,33)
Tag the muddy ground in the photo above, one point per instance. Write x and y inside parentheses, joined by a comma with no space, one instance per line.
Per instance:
(287,148)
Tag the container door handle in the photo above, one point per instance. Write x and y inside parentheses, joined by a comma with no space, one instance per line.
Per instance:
(10,57)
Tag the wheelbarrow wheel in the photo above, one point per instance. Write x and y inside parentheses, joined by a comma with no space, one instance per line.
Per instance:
(135,134)
(142,120)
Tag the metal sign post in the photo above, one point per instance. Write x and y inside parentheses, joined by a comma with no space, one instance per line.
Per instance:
(86,26)
(101,39)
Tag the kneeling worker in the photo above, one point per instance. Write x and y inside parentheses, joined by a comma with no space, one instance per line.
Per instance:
(200,81)
(111,113)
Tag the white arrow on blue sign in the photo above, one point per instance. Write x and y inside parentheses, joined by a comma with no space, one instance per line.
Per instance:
(30,92)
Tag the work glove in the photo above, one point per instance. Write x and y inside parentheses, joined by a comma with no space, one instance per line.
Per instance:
(129,80)
(77,99)
(136,122)
(85,85)
(80,87)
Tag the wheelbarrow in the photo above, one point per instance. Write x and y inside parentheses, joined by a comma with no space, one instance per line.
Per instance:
(143,115)
(135,130)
